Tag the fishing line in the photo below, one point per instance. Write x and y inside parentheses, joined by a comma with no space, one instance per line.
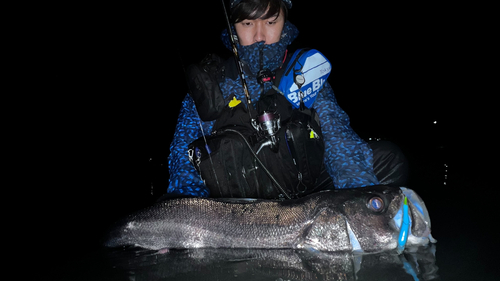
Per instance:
(247,97)
(260,163)
(239,65)
(209,155)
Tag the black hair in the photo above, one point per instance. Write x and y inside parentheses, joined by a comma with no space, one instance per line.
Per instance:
(255,9)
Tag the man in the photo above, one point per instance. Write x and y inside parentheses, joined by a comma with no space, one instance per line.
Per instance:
(263,35)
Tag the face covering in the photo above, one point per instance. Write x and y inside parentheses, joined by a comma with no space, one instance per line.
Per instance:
(259,56)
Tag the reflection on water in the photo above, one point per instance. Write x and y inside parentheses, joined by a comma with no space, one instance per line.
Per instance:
(279,265)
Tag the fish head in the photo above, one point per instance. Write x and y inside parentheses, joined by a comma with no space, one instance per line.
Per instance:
(374,215)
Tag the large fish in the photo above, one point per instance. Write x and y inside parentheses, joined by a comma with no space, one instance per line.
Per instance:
(369,219)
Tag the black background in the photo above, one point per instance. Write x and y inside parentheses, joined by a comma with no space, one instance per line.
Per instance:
(112,80)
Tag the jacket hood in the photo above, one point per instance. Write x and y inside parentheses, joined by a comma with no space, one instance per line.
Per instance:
(259,55)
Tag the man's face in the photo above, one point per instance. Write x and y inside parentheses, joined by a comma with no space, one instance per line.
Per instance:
(260,30)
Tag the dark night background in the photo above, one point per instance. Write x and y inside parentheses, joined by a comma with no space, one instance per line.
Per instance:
(113,81)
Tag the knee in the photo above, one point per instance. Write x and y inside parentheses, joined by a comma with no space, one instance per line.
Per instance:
(389,163)
(387,150)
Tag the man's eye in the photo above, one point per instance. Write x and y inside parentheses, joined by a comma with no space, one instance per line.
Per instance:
(246,23)
(271,22)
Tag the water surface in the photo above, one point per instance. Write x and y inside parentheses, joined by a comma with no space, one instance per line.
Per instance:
(253,264)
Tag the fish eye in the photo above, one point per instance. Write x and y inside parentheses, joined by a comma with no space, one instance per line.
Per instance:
(376,204)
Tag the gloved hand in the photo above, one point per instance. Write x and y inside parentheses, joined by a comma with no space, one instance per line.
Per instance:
(203,82)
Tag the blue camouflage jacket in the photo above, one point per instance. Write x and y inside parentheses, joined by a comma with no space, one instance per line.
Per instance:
(348,159)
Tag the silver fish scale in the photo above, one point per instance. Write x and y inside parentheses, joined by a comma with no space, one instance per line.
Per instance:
(323,221)
(206,223)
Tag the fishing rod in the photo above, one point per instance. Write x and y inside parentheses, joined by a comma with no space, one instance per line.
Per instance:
(267,124)
(239,65)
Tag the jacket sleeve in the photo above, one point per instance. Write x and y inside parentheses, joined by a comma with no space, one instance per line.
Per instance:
(348,159)
(183,177)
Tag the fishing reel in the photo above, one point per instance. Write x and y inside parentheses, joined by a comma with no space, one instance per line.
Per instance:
(265,76)
(268,126)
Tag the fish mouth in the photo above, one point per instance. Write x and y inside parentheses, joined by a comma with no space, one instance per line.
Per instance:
(410,222)
(419,230)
